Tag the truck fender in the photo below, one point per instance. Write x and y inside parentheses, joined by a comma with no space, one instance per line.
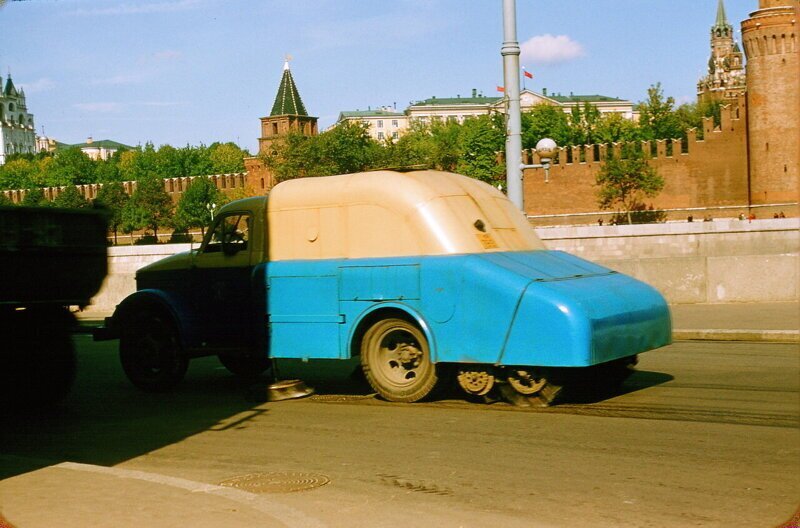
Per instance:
(379,311)
(149,299)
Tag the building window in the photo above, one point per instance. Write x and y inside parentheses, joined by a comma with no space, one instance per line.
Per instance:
(380,123)
(394,123)
(380,135)
(394,135)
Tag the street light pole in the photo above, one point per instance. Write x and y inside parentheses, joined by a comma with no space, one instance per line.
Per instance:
(510,52)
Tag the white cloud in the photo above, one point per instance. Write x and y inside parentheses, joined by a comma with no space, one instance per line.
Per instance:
(141,8)
(99,107)
(550,49)
(40,85)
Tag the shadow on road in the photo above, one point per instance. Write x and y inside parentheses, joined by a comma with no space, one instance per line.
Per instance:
(639,380)
(105,420)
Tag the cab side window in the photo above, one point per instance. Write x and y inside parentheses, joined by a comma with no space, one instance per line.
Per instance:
(230,234)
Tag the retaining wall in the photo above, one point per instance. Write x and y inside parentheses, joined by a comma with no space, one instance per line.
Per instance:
(699,262)
(696,262)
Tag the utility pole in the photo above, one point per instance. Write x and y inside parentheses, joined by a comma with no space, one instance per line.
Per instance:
(510,52)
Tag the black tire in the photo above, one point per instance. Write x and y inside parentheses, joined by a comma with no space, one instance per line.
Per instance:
(245,367)
(150,352)
(39,361)
(396,361)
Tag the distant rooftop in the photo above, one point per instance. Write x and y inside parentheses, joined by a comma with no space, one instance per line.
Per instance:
(480,99)
(583,98)
(99,143)
(369,113)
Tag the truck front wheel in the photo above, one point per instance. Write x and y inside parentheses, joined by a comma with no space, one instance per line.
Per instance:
(151,354)
(397,362)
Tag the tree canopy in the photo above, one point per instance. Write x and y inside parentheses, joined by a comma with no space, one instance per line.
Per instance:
(149,207)
(71,166)
(197,204)
(624,182)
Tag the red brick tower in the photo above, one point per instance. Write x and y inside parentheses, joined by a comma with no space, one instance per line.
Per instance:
(773,83)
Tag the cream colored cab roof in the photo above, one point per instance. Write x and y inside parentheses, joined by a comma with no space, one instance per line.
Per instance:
(392,214)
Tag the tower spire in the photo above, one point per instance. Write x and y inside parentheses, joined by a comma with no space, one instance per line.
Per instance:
(288,101)
(722,20)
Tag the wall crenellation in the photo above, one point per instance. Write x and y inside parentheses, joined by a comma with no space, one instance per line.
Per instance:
(173,186)
(711,171)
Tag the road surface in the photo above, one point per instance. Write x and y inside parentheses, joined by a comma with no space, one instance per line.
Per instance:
(705,434)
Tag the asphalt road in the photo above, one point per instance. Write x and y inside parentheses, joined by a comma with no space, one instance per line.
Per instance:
(705,434)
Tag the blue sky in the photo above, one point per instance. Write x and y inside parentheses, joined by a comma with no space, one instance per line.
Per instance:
(198,71)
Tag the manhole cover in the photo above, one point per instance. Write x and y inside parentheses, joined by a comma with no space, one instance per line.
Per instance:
(277,482)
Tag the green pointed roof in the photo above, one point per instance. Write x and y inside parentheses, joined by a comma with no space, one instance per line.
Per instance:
(722,20)
(288,101)
(9,89)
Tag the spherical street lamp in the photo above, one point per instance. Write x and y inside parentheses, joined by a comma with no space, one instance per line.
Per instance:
(546,148)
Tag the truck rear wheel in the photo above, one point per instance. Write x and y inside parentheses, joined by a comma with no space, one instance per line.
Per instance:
(397,362)
(151,354)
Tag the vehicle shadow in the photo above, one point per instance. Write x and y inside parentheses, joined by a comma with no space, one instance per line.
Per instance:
(596,392)
(105,420)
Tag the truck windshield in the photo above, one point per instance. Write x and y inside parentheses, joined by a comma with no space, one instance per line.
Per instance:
(229,230)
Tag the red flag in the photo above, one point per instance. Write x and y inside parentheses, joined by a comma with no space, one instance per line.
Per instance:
(527,74)
(501,89)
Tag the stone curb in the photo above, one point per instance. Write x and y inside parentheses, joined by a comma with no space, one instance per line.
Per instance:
(773,336)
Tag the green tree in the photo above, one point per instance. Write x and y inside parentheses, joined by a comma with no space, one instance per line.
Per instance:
(126,165)
(625,182)
(197,203)
(169,162)
(444,149)
(545,121)
(69,167)
(479,139)
(343,149)
(112,197)
(197,161)
(691,115)
(414,147)
(150,207)
(34,197)
(583,122)
(70,198)
(657,118)
(614,128)
(18,173)
(5,201)
(107,171)
(226,158)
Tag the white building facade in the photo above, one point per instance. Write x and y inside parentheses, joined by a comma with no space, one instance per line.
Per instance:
(386,123)
(17,131)
(382,124)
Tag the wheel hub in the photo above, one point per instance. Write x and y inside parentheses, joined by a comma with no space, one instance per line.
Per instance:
(476,382)
(525,382)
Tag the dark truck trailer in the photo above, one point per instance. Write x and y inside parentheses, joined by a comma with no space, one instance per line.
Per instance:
(50,259)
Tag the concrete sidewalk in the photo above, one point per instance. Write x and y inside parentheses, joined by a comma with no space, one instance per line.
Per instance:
(777,321)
